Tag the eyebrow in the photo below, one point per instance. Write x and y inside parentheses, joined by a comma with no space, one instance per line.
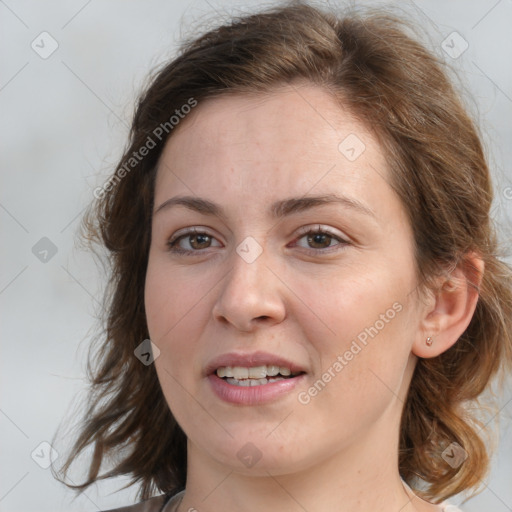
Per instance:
(278,210)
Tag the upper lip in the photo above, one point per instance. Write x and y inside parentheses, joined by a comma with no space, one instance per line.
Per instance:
(249,360)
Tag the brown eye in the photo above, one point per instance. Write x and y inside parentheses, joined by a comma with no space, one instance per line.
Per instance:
(195,241)
(200,241)
(318,240)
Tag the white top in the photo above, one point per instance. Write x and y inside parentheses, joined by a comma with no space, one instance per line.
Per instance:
(156,504)
(173,503)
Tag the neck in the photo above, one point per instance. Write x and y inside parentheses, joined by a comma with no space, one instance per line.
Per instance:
(360,478)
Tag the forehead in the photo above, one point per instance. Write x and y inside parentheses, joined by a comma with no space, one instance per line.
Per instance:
(295,139)
(280,121)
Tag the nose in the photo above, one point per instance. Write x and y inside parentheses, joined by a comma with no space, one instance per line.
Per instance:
(251,295)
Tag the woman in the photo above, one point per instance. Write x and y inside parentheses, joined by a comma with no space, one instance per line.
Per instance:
(301,228)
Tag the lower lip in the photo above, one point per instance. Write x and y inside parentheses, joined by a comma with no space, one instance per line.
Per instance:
(252,395)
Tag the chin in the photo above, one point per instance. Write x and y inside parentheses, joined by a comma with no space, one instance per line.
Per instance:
(259,455)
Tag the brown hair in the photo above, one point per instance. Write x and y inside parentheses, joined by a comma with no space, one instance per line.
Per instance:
(397,88)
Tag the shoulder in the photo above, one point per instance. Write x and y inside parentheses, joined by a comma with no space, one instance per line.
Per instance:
(155,504)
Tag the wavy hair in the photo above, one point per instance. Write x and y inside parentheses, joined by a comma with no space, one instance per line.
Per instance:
(375,68)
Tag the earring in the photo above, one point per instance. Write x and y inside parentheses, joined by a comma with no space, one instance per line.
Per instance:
(430,341)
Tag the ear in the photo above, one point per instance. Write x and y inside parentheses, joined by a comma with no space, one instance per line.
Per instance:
(450,308)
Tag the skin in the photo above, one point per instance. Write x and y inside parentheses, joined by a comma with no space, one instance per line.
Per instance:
(339,451)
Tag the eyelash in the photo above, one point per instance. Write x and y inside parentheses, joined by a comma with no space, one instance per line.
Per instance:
(318,230)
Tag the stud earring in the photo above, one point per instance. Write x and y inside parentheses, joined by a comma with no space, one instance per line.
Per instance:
(430,341)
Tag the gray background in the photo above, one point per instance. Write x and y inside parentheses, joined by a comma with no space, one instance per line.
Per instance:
(64,123)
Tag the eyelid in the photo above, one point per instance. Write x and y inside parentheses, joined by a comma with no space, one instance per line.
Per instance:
(190,231)
(300,233)
(183,233)
(343,241)
(325,229)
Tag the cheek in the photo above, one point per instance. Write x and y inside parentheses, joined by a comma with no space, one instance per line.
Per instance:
(361,330)
(176,310)
(169,299)
(172,320)
(351,299)
(157,304)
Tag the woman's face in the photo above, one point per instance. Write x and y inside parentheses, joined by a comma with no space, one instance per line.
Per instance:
(233,273)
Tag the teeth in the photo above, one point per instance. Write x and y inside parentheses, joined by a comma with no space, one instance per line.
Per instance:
(240,373)
(253,373)
(257,372)
(252,382)
(272,371)
(225,371)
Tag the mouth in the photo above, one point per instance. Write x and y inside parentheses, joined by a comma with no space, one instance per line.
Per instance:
(253,378)
(255,375)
